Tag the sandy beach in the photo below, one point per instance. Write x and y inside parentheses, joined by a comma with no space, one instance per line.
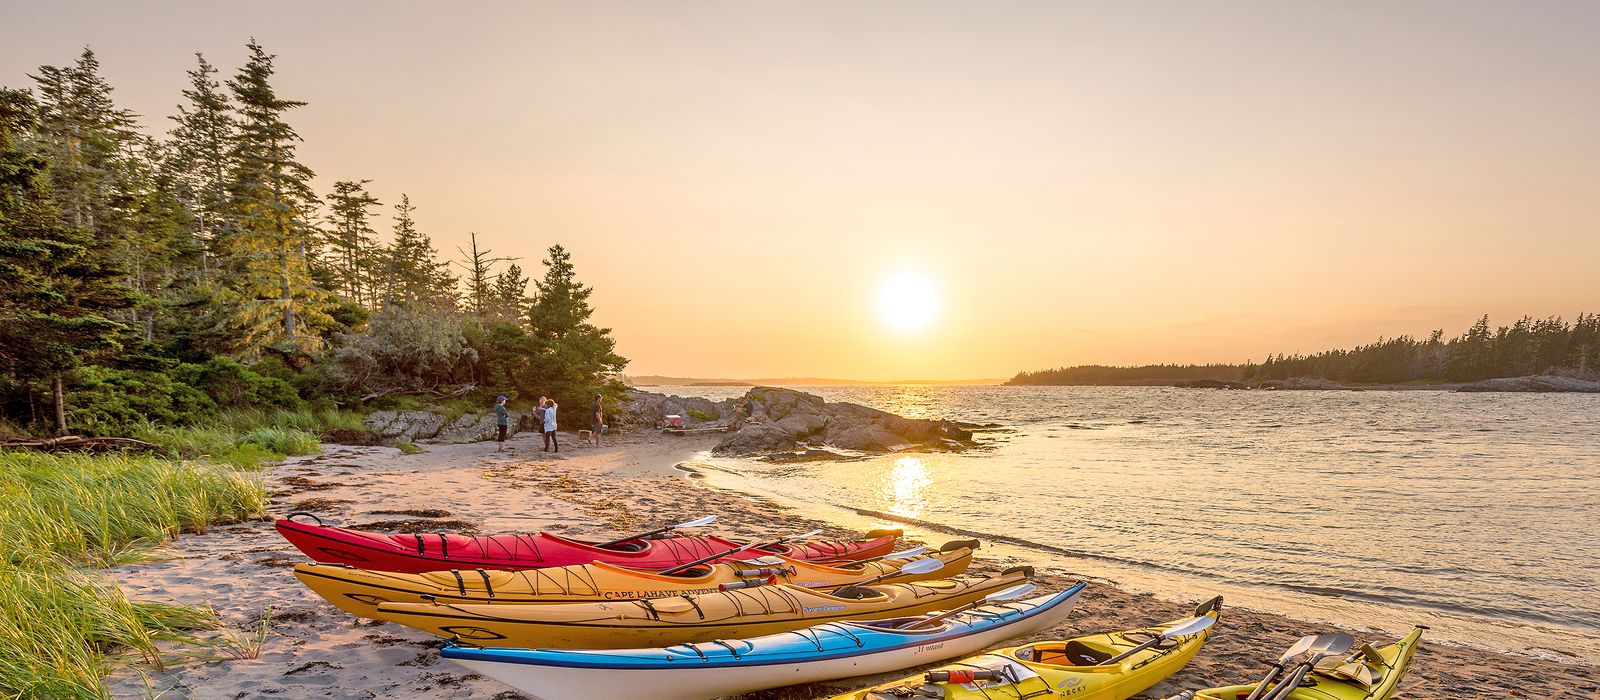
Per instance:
(313,650)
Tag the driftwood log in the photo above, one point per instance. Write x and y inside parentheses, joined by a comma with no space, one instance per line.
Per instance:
(77,443)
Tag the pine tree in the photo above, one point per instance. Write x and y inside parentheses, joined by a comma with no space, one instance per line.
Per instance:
(414,275)
(478,266)
(87,139)
(509,295)
(196,156)
(270,203)
(56,295)
(574,356)
(351,244)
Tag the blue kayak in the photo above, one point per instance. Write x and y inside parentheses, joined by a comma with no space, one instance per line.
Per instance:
(729,667)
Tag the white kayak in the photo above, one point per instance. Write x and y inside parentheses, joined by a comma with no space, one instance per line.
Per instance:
(730,667)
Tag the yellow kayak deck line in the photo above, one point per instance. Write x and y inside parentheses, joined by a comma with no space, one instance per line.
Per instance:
(747,612)
(1346,677)
(360,591)
(1072,668)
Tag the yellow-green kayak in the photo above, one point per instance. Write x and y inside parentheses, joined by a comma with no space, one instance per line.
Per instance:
(1368,674)
(1082,668)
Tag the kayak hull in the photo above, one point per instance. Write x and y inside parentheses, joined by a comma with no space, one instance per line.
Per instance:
(1072,668)
(421,553)
(695,618)
(360,591)
(711,670)
(1397,658)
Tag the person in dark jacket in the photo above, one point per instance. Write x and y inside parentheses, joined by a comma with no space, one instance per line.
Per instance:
(502,423)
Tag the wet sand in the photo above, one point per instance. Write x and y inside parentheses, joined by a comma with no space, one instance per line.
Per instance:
(313,650)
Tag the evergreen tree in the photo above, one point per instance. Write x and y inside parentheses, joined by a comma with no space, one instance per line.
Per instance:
(56,295)
(270,203)
(415,277)
(351,247)
(88,141)
(478,265)
(196,157)
(575,357)
(509,294)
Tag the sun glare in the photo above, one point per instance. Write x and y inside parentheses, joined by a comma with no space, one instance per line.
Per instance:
(908,302)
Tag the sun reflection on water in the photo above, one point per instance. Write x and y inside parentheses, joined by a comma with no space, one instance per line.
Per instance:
(900,492)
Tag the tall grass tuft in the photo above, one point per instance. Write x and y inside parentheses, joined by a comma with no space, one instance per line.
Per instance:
(62,629)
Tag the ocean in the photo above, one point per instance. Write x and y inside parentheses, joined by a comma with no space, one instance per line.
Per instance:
(1476,514)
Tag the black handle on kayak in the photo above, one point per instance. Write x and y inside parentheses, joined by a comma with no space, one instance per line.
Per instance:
(313,516)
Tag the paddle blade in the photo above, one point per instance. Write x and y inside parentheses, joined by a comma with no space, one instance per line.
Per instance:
(921,566)
(765,561)
(803,535)
(1012,593)
(704,521)
(1193,625)
(1335,643)
(1299,647)
(905,553)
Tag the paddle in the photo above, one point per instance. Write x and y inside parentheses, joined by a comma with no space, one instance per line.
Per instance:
(902,554)
(736,550)
(1325,646)
(1296,649)
(913,568)
(702,521)
(1184,628)
(1012,593)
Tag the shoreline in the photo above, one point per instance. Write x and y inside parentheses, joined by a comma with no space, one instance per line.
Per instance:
(314,650)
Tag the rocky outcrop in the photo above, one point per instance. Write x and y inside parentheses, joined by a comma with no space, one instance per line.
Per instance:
(1540,384)
(771,420)
(647,410)
(426,425)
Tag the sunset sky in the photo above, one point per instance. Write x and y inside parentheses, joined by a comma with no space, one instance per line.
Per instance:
(1070,182)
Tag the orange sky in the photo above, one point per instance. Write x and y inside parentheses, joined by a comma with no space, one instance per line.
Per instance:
(1083,182)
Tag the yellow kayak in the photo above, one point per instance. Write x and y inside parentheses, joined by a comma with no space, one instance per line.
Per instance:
(360,591)
(659,622)
(1367,674)
(1110,666)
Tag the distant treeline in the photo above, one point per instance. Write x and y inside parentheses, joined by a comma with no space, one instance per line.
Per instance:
(1529,346)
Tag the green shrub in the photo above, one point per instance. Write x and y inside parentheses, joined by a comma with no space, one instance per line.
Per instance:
(105,399)
(700,416)
(233,385)
(407,447)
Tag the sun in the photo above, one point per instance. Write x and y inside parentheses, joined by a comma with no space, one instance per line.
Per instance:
(908,302)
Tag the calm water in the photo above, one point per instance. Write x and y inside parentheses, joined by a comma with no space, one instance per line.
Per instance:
(1478,514)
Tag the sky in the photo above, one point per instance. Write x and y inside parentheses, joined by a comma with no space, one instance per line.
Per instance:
(1062,182)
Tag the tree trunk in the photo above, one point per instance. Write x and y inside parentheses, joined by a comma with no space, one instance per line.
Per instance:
(59,389)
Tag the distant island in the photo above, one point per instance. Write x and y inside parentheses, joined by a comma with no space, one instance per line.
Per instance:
(659,380)
(1563,356)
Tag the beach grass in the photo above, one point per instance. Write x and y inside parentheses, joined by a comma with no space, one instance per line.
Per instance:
(62,626)
(248,438)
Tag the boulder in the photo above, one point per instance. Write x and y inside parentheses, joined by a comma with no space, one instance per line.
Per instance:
(1538,383)
(645,410)
(411,425)
(769,420)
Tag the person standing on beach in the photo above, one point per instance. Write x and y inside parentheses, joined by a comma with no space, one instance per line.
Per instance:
(502,421)
(550,426)
(598,418)
(538,420)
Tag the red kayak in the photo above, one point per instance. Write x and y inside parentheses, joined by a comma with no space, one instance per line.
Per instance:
(421,553)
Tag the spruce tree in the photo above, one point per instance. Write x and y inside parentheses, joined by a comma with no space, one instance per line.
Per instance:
(270,203)
(509,294)
(350,245)
(196,155)
(57,296)
(88,141)
(477,265)
(414,275)
(575,357)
